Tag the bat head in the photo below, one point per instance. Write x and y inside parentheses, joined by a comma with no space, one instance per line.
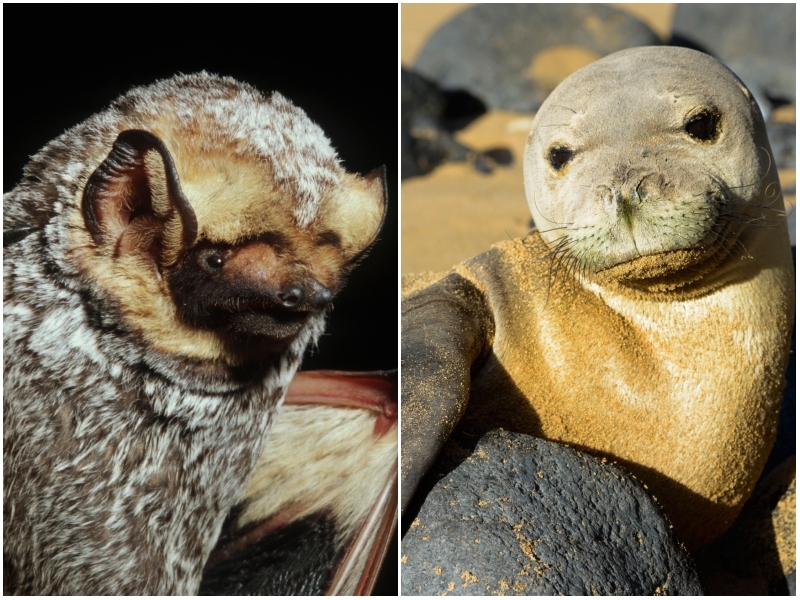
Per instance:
(221,221)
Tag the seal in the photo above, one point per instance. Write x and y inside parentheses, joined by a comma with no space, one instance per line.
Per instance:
(648,318)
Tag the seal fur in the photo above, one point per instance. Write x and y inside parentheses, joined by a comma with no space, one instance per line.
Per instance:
(648,318)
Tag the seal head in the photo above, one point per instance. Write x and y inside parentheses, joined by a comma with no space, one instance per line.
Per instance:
(646,168)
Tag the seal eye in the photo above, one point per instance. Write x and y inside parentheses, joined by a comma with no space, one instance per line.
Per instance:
(560,156)
(703,126)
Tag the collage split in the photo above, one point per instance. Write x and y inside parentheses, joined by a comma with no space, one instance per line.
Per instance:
(400,299)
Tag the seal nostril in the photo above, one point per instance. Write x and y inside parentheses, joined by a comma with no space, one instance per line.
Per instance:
(291,298)
(636,193)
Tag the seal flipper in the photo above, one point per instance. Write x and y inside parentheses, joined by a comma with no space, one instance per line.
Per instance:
(447,328)
(321,508)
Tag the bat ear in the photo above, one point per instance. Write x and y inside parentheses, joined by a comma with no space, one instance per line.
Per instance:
(358,212)
(133,201)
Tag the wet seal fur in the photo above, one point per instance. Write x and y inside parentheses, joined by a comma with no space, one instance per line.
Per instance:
(648,319)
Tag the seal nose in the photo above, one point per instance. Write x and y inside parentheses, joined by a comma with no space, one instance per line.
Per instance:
(291,297)
(629,191)
(612,198)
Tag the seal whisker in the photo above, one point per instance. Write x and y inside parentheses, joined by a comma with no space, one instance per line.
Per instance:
(559,258)
(533,199)
(758,221)
(565,227)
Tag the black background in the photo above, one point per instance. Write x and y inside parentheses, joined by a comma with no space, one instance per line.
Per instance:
(338,63)
(342,72)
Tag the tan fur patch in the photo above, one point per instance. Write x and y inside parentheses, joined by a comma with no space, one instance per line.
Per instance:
(355,212)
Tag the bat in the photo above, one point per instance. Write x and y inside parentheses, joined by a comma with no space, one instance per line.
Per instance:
(166,264)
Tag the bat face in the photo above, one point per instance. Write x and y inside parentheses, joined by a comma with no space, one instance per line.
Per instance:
(256,289)
(220,248)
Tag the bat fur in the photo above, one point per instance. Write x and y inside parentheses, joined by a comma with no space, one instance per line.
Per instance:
(168,262)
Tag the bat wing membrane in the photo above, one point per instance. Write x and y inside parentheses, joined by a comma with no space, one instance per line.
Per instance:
(320,511)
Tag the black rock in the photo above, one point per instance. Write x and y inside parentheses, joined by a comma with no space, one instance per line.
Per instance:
(783,141)
(756,41)
(517,515)
(488,49)
(428,116)
(756,556)
(786,440)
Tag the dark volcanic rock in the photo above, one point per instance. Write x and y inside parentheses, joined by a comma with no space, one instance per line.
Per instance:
(521,516)
(756,41)
(783,140)
(488,49)
(757,556)
(786,441)
(428,116)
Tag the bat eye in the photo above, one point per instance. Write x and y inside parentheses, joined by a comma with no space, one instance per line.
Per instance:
(703,126)
(211,261)
(560,156)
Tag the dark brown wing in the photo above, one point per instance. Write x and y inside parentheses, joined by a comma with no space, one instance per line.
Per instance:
(321,508)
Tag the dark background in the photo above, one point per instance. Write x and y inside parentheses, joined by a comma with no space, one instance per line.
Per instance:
(343,76)
(338,63)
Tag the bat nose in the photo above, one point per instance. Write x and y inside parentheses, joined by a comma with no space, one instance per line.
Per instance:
(291,297)
(319,295)
(304,296)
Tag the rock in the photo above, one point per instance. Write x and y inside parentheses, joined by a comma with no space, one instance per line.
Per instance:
(757,556)
(786,440)
(428,118)
(491,50)
(783,141)
(756,41)
(517,515)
